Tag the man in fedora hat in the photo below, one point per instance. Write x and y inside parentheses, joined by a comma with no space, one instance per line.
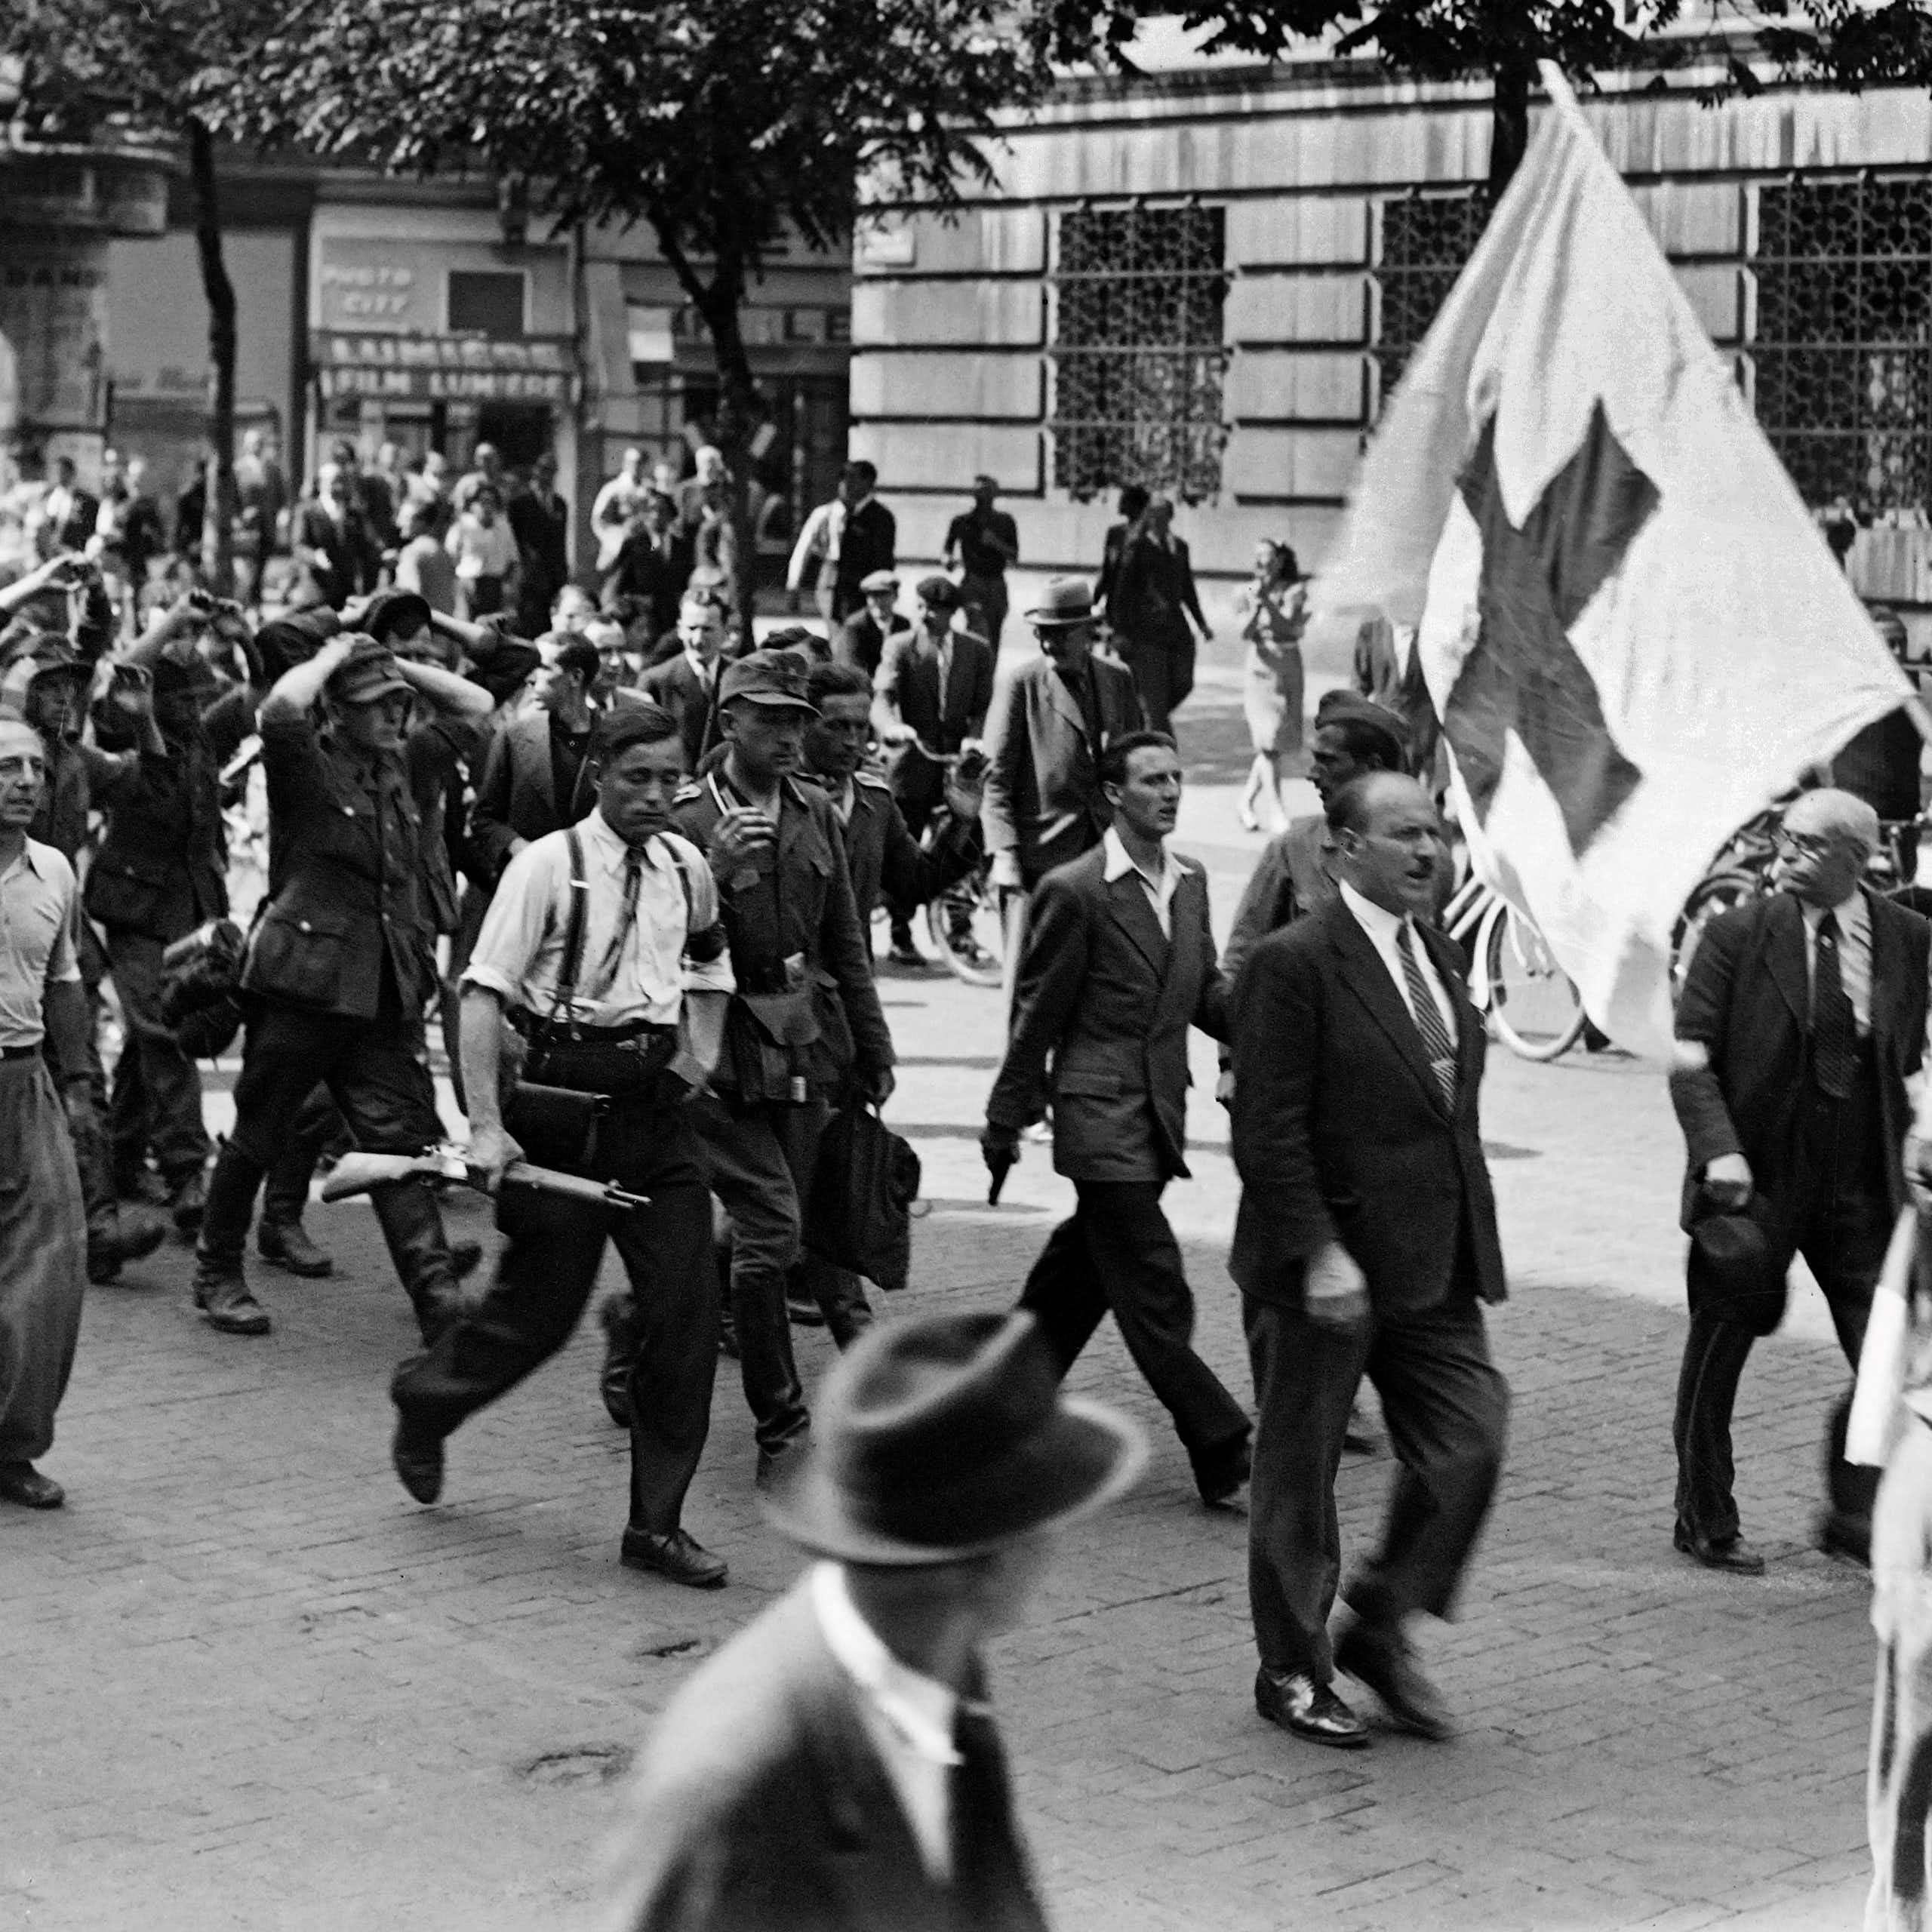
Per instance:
(835,1768)
(1050,719)
(1801,1019)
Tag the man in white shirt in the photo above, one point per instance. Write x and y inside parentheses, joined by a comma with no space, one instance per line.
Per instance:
(625,1002)
(1365,1239)
(1119,963)
(835,1768)
(43,1223)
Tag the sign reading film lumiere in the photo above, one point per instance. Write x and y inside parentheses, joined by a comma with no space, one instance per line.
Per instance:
(443,368)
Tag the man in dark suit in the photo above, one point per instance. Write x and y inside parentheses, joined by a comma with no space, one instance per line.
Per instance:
(835,1768)
(1365,1238)
(1119,963)
(540,520)
(868,539)
(652,562)
(686,685)
(1150,606)
(1801,1019)
(1049,721)
(538,773)
(934,686)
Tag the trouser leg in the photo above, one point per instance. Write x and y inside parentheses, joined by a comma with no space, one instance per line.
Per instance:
(1899,1782)
(1149,664)
(666,1249)
(284,1053)
(163,1099)
(1305,1379)
(1715,1353)
(1136,1261)
(748,1172)
(286,1195)
(382,1085)
(840,1294)
(544,1272)
(1846,1256)
(1063,1294)
(1447,1409)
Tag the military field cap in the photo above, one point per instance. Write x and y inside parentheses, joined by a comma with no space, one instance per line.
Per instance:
(773,679)
(369,671)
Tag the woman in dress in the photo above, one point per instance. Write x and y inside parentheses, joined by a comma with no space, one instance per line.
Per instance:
(1273,612)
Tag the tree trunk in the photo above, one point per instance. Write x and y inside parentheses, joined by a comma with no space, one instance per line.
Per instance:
(1509,124)
(738,417)
(218,518)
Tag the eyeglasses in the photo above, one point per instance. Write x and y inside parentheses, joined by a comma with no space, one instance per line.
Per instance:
(1805,844)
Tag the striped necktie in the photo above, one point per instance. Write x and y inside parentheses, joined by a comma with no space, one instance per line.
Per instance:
(1436,1041)
(1834,1025)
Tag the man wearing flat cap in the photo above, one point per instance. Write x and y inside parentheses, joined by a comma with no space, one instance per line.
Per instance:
(835,1768)
(341,961)
(861,639)
(1802,1017)
(803,1031)
(934,686)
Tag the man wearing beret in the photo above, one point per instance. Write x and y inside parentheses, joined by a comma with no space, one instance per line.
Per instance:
(341,962)
(804,1028)
(835,1768)
(934,687)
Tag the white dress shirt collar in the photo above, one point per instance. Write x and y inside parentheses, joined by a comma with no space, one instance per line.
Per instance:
(908,1716)
(1119,863)
(1383,928)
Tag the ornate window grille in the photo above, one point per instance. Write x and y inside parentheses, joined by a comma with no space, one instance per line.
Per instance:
(1138,354)
(1842,356)
(1426,241)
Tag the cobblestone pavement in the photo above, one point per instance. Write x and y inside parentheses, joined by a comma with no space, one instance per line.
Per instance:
(246,1683)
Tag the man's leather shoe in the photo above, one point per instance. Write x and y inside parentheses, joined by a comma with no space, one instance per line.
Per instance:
(287,1245)
(1733,1553)
(1293,1700)
(1219,1477)
(1382,1660)
(137,1233)
(677,1555)
(222,1295)
(187,1200)
(465,1258)
(21,1483)
(418,1457)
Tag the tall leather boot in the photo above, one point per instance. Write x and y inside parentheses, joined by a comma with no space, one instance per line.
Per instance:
(618,1314)
(281,1238)
(413,1225)
(221,1287)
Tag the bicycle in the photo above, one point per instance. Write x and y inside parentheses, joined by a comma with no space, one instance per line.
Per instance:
(966,922)
(1531,1004)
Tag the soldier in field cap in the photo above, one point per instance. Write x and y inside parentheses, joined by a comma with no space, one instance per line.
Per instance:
(835,1766)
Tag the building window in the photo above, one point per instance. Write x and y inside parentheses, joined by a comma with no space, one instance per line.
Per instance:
(486,302)
(1842,357)
(1427,241)
(1138,354)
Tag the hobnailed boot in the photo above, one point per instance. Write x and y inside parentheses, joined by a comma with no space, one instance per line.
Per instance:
(413,1226)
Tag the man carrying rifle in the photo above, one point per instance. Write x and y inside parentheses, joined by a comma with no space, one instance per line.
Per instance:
(603,949)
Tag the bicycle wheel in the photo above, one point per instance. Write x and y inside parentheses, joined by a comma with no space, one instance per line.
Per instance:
(968,930)
(1534,1005)
(1717,894)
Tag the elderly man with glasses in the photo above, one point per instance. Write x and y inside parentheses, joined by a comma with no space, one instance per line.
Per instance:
(1801,1018)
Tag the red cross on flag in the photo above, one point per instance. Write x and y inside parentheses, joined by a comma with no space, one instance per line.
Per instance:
(1634,633)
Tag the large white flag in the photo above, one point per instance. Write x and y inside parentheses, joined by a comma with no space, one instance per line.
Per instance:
(1632,630)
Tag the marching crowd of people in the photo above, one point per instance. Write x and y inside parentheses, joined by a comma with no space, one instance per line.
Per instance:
(625,862)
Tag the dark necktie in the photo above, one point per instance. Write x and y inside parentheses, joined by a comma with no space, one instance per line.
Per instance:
(1834,1026)
(613,953)
(979,1825)
(1436,1041)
